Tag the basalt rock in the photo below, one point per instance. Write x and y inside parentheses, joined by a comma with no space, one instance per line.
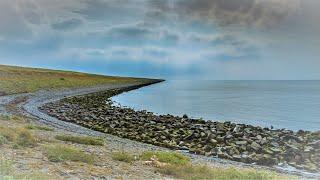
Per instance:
(238,142)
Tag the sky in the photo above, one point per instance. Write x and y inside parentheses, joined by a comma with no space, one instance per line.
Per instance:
(170,39)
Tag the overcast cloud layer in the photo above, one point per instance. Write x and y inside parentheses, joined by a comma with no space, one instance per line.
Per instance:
(207,39)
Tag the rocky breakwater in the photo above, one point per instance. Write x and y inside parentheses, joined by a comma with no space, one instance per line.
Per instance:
(238,142)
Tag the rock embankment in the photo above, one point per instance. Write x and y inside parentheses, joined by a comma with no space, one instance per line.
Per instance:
(238,142)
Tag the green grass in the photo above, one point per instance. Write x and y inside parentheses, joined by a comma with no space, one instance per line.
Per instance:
(20,136)
(166,157)
(30,176)
(8,133)
(87,140)
(20,80)
(5,117)
(11,118)
(3,140)
(203,172)
(5,168)
(36,127)
(123,156)
(59,153)
(180,167)
(25,138)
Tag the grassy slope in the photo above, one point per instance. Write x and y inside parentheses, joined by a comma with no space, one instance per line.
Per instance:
(18,79)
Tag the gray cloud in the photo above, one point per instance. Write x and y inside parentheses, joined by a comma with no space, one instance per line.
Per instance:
(67,24)
(97,10)
(175,33)
(226,40)
(111,11)
(130,32)
(225,12)
(134,35)
(230,12)
(12,24)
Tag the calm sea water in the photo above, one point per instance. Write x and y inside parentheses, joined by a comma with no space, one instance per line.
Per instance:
(283,104)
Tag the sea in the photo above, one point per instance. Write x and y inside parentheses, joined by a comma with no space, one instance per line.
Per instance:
(292,105)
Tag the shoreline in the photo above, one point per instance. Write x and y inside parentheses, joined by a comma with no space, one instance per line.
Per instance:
(29,103)
(258,104)
(268,158)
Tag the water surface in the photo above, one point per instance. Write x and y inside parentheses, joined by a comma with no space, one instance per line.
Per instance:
(283,104)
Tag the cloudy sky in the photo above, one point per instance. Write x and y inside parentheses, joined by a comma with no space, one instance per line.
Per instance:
(200,39)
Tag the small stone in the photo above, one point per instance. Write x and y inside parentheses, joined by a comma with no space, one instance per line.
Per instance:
(288,137)
(275,150)
(236,129)
(213,141)
(220,139)
(184,148)
(229,136)
(268,151)
(263,141)
(308,149)
(259,137)
(311,167)
(236,157)
(241,142)
(267,160)
(255,146)
(202,134)
(315,144)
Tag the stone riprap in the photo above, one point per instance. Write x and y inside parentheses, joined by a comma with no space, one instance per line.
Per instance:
(238,142)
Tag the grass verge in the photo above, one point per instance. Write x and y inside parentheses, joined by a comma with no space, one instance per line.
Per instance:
(204,172)
(5,117)
(8,134)
(59,153)
(87,140)
(36,127)
(179,166)
(12,118)
(166,157)
(5,168)
(25,138)
(20,136)
(123,156)
(19,79)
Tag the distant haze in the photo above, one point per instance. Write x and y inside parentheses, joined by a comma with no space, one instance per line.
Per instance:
(171,39)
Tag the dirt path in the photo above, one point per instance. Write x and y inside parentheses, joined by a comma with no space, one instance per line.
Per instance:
(29,104)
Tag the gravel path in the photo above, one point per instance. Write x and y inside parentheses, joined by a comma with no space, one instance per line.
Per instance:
(38,99)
